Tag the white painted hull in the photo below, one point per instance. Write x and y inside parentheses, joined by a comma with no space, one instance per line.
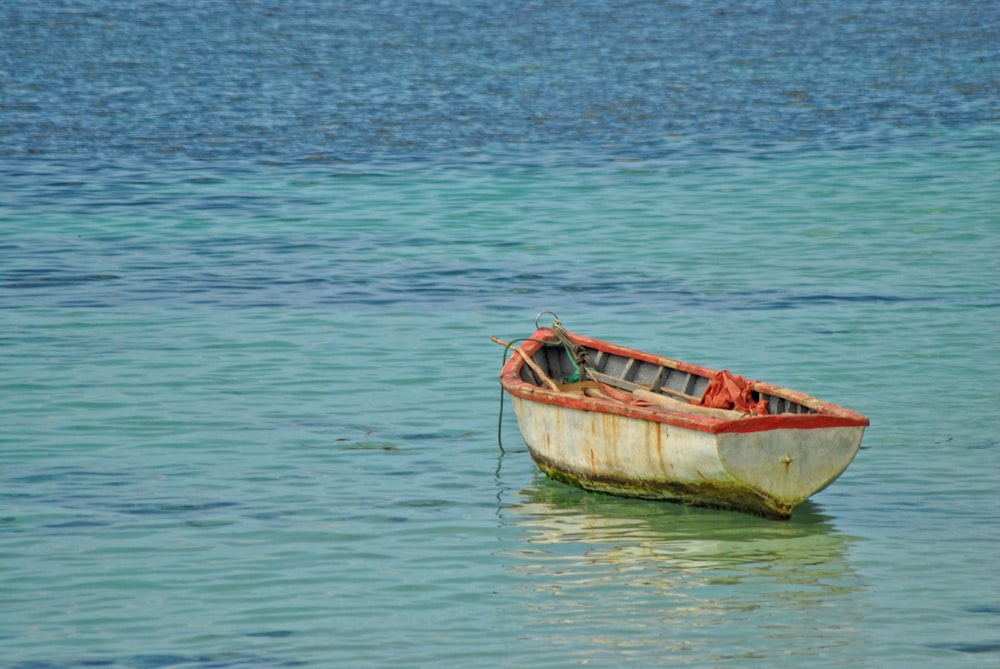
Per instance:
(766,472)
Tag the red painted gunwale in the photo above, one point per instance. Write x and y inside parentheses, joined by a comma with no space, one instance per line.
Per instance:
(828,415)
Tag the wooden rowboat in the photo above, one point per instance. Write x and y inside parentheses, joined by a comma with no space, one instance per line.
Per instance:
(613,419)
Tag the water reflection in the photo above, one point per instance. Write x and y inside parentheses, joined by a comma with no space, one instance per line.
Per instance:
(688,576)
(683,538)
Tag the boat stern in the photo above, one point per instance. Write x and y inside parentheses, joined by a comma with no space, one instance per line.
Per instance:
(789,465)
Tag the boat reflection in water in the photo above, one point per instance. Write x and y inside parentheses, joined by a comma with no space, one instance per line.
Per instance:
(611,567)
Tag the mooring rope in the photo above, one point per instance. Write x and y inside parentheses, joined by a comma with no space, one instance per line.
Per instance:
(507,346)
(503,363)
(576,353)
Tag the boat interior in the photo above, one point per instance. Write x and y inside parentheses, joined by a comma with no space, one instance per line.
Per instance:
(630,374)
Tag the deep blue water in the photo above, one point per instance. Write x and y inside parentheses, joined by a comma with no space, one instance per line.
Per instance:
(251,254)
(403,84)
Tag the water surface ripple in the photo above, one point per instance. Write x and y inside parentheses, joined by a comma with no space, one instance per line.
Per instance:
(251,254)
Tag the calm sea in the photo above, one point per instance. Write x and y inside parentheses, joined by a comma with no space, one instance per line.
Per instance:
(251,254)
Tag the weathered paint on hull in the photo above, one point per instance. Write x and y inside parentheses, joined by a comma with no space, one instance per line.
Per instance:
(767,472)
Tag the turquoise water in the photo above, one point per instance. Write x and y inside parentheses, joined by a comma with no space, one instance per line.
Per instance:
(251,256)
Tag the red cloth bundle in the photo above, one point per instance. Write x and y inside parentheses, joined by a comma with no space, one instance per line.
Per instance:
(731,391)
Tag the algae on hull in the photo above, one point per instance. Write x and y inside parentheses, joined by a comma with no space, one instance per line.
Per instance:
(708,494)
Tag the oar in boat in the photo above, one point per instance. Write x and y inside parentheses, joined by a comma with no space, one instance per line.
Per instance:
(531,363)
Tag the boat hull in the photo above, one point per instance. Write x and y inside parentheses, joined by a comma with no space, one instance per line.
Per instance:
(763,473)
